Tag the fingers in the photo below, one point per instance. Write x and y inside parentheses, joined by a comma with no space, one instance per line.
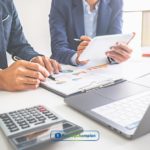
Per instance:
(85,38)
(82,45)
(36,67)
(38,60)
(25,83)
(83,62)
(33,74)
(51,65)
(117,57)
(120,52)
(29,87)
(39,69)
(43,60)
(30,81)
(55,65)
(85,41)
(48,65)
(124,47)
(59,67)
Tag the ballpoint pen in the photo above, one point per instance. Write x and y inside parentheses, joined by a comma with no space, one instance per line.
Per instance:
(52,78)
(77,40)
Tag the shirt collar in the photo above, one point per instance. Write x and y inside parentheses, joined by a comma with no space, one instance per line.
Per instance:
(87,7)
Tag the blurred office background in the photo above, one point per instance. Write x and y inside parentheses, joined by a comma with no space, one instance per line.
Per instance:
(34,18)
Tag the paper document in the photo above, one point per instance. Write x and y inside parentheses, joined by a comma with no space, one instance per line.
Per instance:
(73,80)
(77,79)
(99,45)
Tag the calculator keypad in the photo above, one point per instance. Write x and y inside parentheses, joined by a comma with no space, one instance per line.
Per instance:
(9,123)
(27,118)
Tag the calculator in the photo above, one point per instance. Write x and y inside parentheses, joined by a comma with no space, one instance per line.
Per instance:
(16,122)
(37,122)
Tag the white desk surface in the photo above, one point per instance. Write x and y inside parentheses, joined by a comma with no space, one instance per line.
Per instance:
(10,101)
(109,140)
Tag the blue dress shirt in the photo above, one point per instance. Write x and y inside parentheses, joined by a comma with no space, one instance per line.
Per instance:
(90,23)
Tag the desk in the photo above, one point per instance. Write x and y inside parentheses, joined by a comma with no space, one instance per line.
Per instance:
(109,140)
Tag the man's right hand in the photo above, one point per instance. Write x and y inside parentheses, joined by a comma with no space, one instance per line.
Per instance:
(85,42)
(22,75)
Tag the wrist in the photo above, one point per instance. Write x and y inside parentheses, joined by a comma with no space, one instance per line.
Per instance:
(77,61)
(74,59)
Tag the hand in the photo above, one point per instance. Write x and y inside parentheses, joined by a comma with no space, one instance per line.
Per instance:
(120,52)
(51,65)
(85,42)
(22,75)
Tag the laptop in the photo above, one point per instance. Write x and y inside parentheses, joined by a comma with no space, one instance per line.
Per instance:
(122,107)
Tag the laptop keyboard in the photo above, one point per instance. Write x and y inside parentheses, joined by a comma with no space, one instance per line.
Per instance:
(127,112)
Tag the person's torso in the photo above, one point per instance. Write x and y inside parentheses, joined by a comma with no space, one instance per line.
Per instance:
(77,21)
(5,31)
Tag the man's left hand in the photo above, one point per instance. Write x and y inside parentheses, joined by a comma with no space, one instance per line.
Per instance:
(120,52)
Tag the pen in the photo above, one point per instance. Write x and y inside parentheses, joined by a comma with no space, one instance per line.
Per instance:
(15,58)
(77,40)
(52,78)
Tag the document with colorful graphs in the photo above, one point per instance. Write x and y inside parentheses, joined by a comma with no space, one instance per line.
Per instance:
(78,79)
(72,80)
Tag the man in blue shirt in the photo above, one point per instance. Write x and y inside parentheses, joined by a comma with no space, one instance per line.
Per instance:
(71,19)
(33,68)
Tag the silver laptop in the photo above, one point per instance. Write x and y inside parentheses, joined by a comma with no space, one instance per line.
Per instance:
(123,107)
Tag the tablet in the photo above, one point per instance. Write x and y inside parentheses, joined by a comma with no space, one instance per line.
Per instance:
(99,45)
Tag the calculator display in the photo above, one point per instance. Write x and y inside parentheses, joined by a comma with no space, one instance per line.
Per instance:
(35,138)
